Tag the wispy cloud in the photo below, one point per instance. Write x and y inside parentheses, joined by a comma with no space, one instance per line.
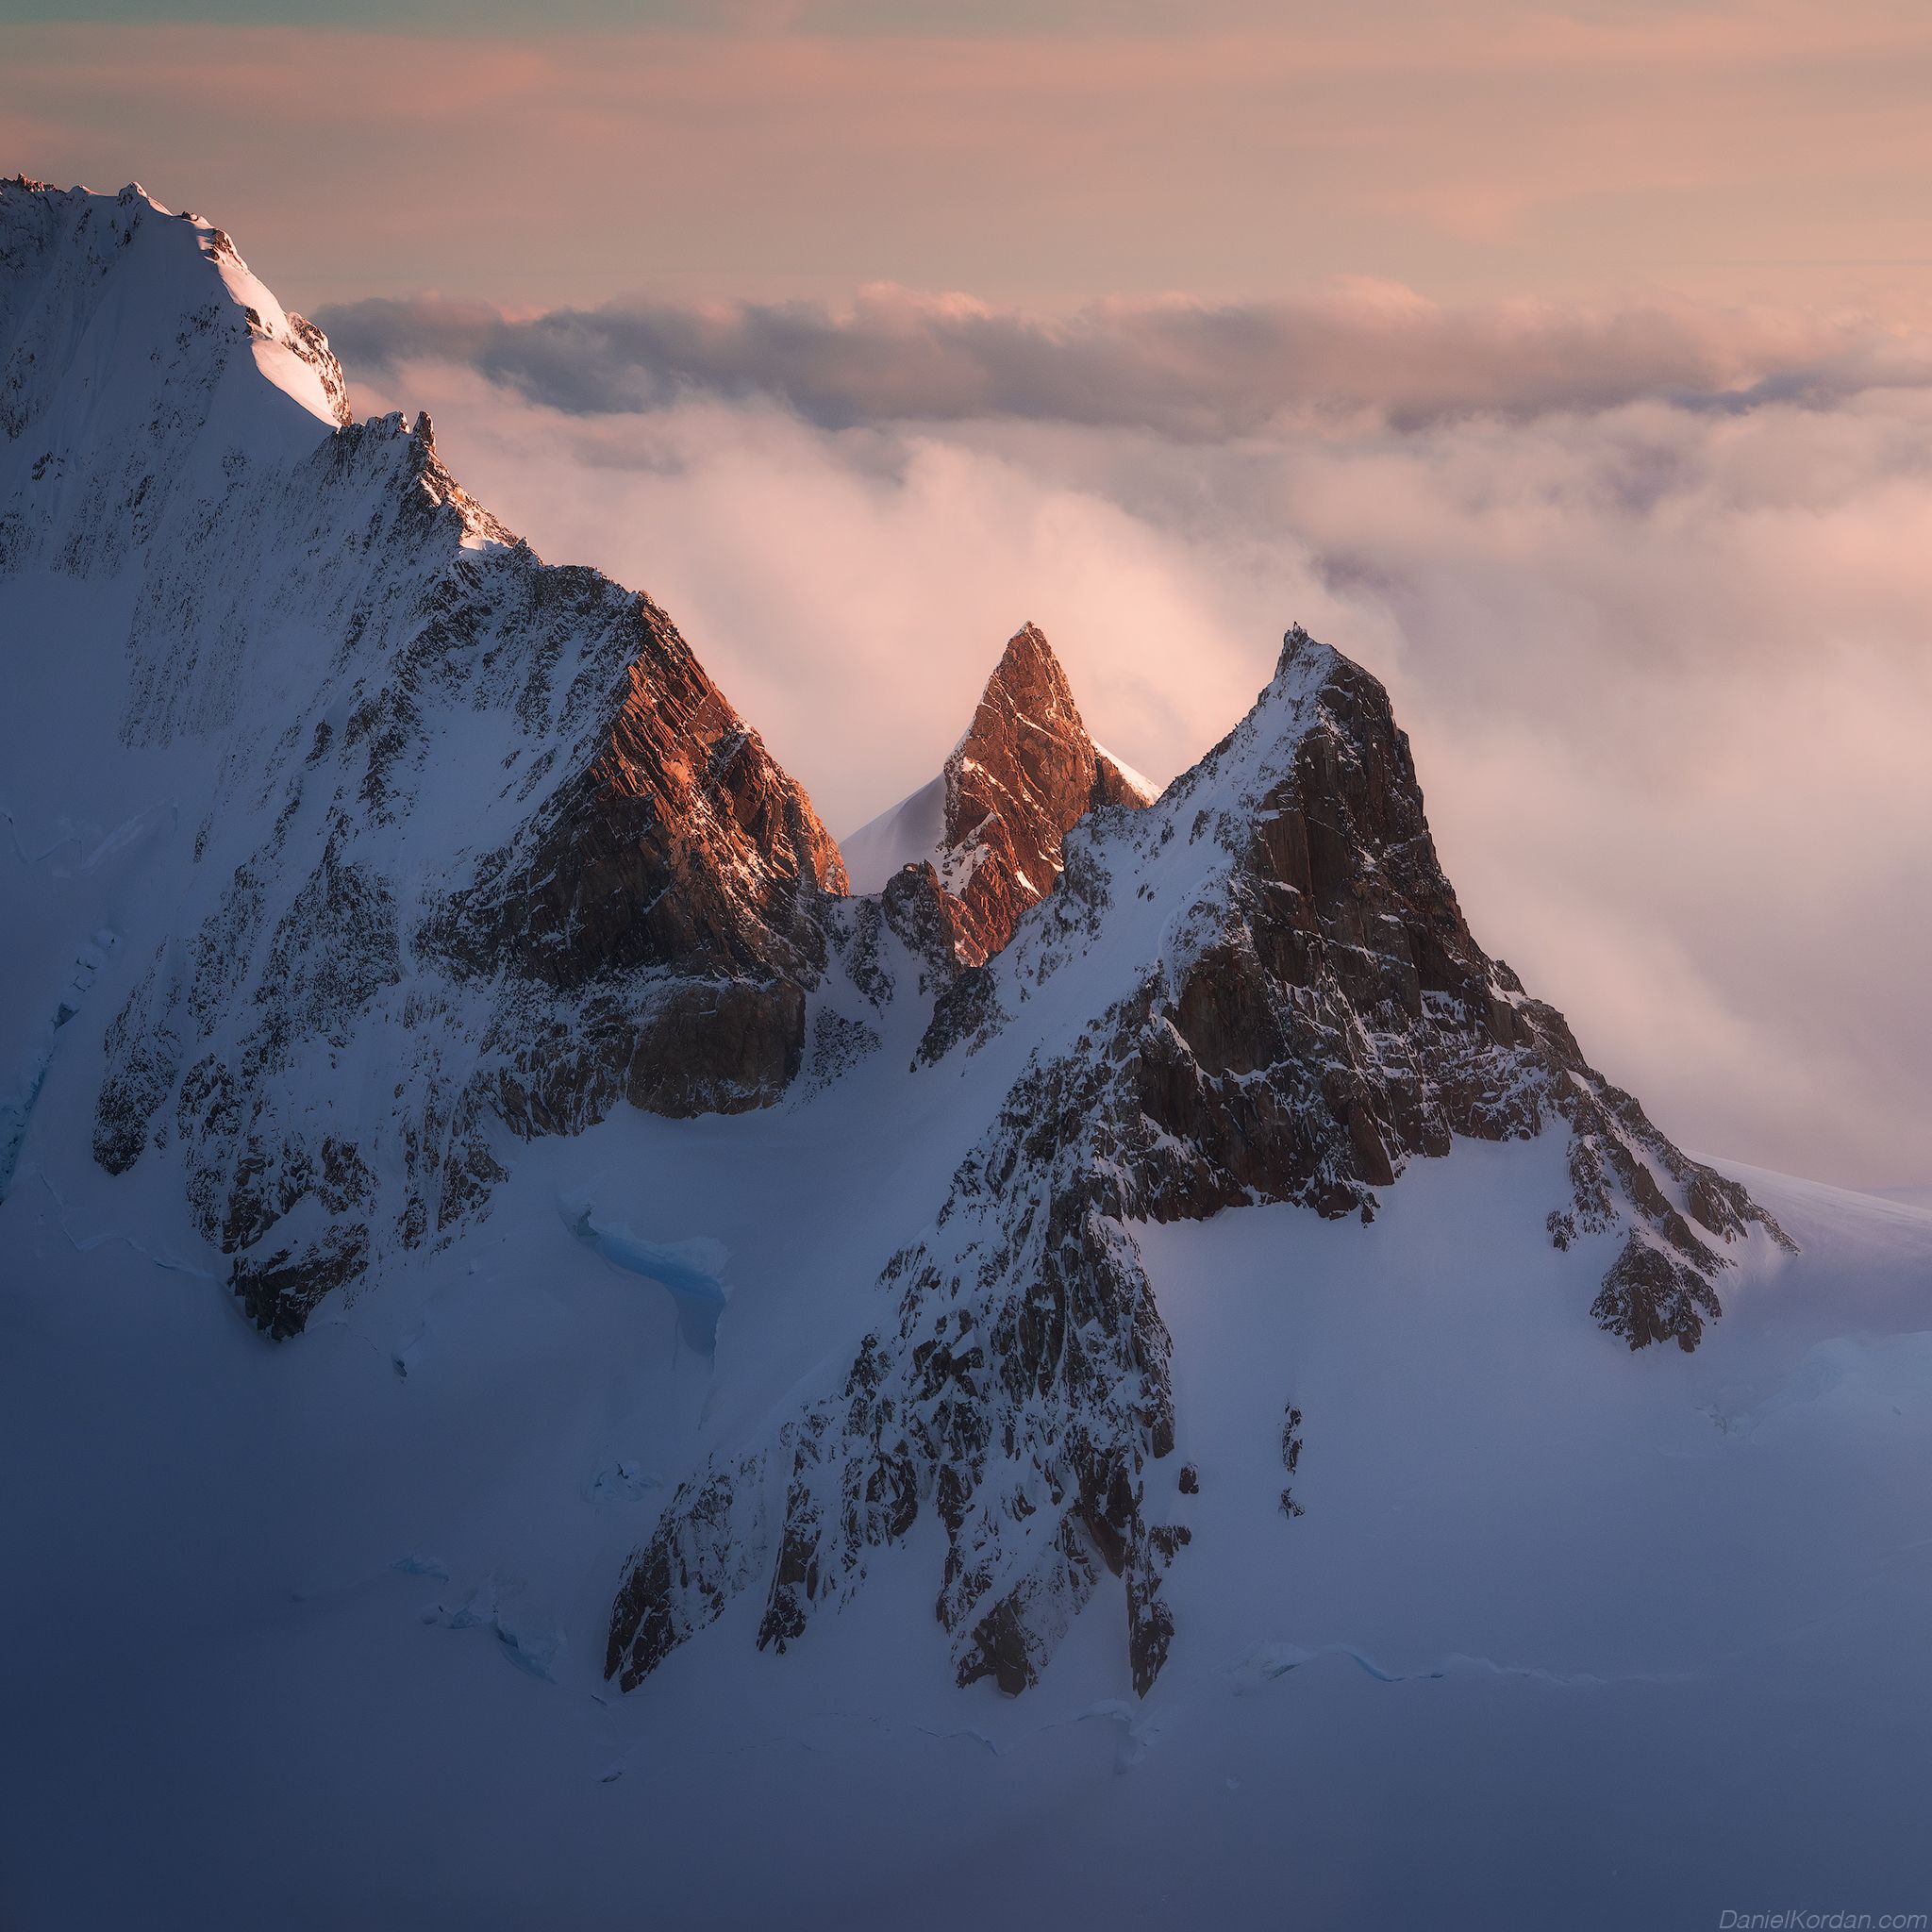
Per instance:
(1185,369)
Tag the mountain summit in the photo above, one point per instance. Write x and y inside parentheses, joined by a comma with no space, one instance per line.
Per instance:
(992,824)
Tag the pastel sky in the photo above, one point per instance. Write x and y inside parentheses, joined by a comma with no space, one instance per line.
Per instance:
(1038,153)
(1572,366)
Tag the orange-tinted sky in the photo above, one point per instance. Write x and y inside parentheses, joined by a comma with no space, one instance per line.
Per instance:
(1777,148)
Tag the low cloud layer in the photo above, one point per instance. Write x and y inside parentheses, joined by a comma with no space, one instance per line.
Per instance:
(1181,369)
(1667,665)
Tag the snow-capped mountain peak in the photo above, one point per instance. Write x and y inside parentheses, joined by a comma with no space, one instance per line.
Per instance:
(455,842)
(463,850)
(1129,1327)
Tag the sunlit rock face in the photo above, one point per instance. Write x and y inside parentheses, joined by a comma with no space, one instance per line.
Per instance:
(1023,776)
(993,823)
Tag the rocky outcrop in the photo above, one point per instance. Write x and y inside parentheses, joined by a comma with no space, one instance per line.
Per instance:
(1023,776)
(680,859)
(680,844)
(1318,1014)
(1019,1391)
(1328,1016)
(994,824)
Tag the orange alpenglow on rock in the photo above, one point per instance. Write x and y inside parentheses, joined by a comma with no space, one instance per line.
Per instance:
(992,822)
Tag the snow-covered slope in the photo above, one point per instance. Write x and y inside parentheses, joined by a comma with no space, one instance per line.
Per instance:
(1220,1312)
(1562,1636)
(910,833)
(380,839)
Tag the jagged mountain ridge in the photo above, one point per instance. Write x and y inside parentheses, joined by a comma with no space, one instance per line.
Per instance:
(1260,989)
(475,840)
(475,851)
(992,822)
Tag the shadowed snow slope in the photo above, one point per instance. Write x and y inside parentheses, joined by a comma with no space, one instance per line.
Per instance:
(1211,1296)
(1672,1606)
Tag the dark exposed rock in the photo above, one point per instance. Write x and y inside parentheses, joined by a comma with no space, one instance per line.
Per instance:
(1025,1340)
(1334,1018)
(680,845)
(926,919)
(279,1290)
(968,1006)
(711,1543)
(1652,1295)
(668,896)
(143,1057)
(838,1044)
(1290,1458)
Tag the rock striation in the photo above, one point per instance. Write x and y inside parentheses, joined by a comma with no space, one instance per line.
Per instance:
(993,824)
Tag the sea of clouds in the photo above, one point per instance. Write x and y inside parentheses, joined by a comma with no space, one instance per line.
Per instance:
(1651,585)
